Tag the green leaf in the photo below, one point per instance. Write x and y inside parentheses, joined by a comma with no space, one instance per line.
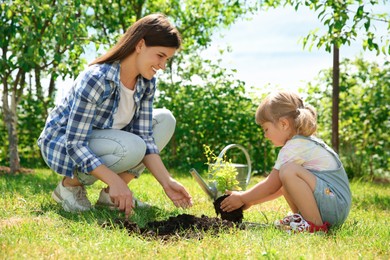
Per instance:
(9,14)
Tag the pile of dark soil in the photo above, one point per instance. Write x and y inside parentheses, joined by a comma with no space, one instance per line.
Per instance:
(181,226)
(185,225)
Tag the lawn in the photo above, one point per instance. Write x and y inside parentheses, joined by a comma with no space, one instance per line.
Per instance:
(33,226)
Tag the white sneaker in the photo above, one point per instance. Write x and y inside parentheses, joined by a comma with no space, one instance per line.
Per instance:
(299,225)
(105,200)
(284,224)
(73,199)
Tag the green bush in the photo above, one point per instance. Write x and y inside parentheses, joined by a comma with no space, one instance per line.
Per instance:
(213,108)
(364,116)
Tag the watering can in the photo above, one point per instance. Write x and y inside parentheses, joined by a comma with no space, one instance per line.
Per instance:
(243,176)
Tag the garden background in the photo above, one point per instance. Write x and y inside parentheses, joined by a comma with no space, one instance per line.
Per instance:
(45,42)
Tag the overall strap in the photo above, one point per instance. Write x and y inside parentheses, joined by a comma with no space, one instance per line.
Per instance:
(320,142)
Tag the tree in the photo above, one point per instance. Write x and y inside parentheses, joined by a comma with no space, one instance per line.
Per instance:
(346,21)
(212,108)
(366,115)
(208,112)
(41,40)
(196,20)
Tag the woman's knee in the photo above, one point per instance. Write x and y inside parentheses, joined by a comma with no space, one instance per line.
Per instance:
(163,118)
(134,149)
(164,124)
(118,149)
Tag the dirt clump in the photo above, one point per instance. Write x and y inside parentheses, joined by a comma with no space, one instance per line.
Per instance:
(235,216)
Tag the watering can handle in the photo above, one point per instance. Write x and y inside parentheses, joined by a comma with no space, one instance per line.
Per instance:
(248,159)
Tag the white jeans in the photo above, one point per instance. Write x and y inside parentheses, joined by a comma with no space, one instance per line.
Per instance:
(122,151)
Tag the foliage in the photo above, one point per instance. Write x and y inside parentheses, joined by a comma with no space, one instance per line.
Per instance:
(346,21)
(221,172)
(56,33)
(41,41)
(29,128)
(365,116)
(196,20)
(208,102)
(33,226)
(211,107)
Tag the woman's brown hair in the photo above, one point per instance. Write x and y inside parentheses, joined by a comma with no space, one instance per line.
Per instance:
(285,104)
(155,29)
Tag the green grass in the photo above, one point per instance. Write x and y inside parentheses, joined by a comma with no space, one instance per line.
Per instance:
(33,226)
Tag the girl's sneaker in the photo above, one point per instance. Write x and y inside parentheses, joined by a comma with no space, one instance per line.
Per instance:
(302,225)
(295,223)
(284,224)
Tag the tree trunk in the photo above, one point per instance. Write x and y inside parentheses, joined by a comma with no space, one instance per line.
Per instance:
(10,121)
(335,98)
(11,97)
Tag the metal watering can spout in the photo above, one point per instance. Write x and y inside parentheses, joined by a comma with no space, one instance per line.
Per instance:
(211,191)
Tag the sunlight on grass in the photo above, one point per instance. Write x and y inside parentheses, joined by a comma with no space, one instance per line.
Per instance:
(33,226)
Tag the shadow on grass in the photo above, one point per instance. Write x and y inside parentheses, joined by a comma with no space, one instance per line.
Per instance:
(27,184)
(103,215)
(380,202)
(40,185)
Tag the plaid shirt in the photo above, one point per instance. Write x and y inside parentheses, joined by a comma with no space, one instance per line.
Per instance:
(90,105)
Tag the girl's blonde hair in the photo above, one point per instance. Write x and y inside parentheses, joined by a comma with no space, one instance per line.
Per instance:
(285,104)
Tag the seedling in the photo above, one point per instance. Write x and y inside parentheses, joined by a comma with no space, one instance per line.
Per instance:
(221,172)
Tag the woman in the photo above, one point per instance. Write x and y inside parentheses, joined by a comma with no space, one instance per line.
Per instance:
(106,129)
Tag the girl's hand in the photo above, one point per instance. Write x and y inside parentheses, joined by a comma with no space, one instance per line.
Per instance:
(178,194)
(232,202)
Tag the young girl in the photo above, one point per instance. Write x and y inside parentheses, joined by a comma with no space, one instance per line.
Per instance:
(106,129)
(307,172)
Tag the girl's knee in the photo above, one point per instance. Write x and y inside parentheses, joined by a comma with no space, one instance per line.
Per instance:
(291,172)
(288,171)
(286,168)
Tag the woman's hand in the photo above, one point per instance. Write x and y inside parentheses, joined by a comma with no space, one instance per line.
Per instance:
(122,197)
(174,190)
(233,201)
(178,194)
(119,192)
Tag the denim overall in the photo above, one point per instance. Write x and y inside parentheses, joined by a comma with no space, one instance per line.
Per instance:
(332,192)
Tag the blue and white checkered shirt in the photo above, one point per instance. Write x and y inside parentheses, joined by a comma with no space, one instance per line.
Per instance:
(90,105)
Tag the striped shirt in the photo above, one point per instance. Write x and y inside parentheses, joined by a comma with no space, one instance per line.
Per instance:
(90,105)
